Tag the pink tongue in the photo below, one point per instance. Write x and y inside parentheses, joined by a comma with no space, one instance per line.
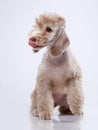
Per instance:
(32,43)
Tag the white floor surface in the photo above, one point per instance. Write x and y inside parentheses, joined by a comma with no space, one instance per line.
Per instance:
(14,115)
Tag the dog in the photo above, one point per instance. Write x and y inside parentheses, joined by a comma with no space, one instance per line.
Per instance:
(59,80)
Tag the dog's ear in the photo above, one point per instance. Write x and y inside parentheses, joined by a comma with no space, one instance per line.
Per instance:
(66,41)
(60,44)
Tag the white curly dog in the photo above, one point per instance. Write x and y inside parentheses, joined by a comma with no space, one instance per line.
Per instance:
(59,75)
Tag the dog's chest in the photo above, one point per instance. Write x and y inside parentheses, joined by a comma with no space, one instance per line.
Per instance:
(58,78)
(58,74)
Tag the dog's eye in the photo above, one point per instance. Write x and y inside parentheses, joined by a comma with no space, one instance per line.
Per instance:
(48,29)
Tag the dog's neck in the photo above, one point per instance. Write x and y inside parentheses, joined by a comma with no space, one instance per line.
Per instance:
(57,52)
(57,60)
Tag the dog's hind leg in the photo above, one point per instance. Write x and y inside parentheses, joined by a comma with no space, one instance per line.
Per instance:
(75,97)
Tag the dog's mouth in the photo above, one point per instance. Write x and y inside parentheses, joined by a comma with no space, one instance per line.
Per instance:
(33,43)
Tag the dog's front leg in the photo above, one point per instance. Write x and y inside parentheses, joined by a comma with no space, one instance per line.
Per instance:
(45,102)
(34,110)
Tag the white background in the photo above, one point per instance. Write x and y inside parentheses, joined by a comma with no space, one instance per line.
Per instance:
(18,65)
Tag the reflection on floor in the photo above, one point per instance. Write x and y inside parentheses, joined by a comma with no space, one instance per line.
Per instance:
(86,122)
(62,123)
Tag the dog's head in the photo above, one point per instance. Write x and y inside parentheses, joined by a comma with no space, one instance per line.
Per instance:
(46,28)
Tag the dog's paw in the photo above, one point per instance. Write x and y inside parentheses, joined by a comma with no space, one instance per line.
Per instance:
(80,113)
(45,116)
(35,112)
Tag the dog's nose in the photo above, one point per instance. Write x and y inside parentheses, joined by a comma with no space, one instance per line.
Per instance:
(33,39)
(32,42)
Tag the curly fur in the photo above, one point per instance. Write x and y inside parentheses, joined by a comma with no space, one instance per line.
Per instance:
(59,75)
